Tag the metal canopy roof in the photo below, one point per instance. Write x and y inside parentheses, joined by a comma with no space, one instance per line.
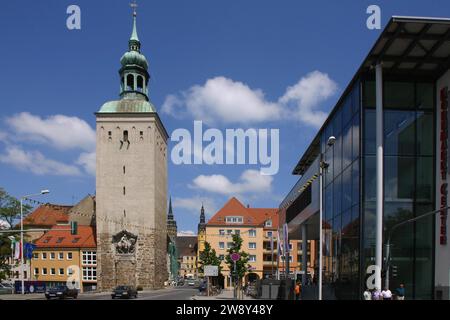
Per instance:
(413,46)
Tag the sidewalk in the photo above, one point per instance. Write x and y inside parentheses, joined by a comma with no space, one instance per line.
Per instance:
(224,295)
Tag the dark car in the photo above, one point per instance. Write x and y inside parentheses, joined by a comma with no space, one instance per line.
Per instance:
(61,292)
(124,292)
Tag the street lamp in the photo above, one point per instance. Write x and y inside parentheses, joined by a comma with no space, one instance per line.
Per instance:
(22,267)
(322,166)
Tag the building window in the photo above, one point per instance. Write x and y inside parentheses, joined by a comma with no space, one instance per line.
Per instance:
(36,271)
(290,246)
(238,232)
(60,239)
(44,271)
(221,232)
(229,245)
(109,134)
(69,271)
(252,233)
(89,273)
(61,271)
(229,232)
(125,136)
(252,245)
(44,255)
(61,256)
(268,223)
(252,258)
(233,219)
(52,256)
(221,257)
(124,170)
(124,191)
(89,258)
(69,255)
(52,271)
(269,234)
(35,256)
(221,245)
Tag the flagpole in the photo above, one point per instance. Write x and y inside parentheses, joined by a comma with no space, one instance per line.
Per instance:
(21,247)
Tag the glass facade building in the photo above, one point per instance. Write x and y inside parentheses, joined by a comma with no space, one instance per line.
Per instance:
(410,116)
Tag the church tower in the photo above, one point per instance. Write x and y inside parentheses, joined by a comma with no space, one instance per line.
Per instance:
(131,181)
(201,233)
(171,223)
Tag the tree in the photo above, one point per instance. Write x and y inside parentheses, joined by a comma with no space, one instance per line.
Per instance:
(208,257)
(10,208)
(242,265)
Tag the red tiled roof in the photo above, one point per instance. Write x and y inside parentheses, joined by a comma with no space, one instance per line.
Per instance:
(252,216)
(60,237)
(47,215)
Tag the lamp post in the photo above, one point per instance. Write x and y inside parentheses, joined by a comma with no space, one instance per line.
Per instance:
(322,167)
(22,264)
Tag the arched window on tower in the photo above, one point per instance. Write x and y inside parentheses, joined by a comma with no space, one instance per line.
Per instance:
(130,82)
(140,84)
(125,136)
(122,83)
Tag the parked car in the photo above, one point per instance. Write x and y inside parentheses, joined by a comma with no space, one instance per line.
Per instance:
(6,288)
(191,282)
(124,292)
(61,292)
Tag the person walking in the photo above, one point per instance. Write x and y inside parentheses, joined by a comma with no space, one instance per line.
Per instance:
(367,294)
(386,294)
(376,294)
(298,290)
(401,292)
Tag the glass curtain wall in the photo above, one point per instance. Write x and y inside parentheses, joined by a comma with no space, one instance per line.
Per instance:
(408,182)
(341,198)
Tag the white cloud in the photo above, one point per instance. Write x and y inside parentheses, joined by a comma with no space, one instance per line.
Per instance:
(87,160)
(307,94)
(251,181)
(193,205)
(186,233)
(60,131)
(224,100)
(37,163)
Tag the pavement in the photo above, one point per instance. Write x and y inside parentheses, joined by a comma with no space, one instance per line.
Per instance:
(178,293)
(224,295)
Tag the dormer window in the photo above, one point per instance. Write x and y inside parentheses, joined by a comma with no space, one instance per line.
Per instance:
(268,223)
(234,219)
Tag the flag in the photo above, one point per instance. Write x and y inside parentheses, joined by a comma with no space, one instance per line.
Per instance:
(28,250)
(17,251)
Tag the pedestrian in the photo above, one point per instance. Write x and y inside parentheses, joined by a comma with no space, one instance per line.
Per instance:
(298,290)
(401,292)
(376,294)
(386,294)
(367,294)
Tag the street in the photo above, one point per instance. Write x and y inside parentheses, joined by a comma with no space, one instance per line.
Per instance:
(179,293)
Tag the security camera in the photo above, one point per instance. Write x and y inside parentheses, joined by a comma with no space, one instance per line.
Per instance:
(331,140)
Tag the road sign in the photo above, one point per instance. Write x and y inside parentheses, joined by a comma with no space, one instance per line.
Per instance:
(235,256)
(211,271)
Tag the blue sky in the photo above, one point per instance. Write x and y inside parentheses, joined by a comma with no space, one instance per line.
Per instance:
(256,51)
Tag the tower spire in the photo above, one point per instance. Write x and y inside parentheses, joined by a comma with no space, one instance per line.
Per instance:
(134,35)
(170,214)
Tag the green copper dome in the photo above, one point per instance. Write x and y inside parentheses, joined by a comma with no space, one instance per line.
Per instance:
(134,58)
(127,106)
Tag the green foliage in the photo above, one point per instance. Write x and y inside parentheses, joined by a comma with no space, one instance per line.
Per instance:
(208,257)
(10,208)
(242,265)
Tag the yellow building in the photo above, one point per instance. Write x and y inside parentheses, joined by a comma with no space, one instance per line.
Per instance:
(249,223)
(61,257)
(187,256)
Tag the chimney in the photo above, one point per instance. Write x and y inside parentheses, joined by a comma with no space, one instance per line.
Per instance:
(248,206)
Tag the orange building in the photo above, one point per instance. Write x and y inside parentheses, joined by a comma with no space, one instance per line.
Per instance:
(61,256)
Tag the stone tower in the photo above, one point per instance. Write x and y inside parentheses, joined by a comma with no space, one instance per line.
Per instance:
(201,233)
(171,223)
(131,181)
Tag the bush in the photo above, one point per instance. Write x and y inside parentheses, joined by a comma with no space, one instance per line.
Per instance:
(139,288)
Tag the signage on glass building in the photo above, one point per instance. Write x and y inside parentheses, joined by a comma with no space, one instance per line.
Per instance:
(443,167)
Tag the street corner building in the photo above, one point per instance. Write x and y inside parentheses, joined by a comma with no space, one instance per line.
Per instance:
(384,155)
(131,181)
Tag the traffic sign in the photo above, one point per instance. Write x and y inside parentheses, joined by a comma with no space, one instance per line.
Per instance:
(235,257)
(211,271)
